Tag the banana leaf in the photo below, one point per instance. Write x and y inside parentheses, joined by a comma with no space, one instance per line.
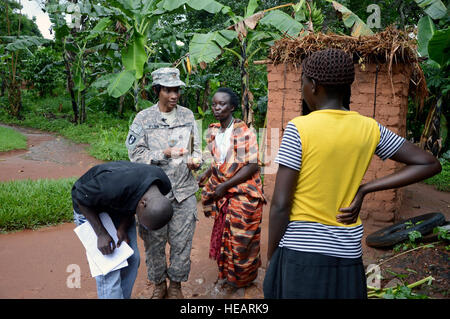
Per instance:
(121,83)
(351,20)
(103,81)
(425,31)
(251,7)
(134,55)
(439,47)
(171,5)
(23,42)
(282,22)
(99,28)
(206,47)
(210,6)
(434,8)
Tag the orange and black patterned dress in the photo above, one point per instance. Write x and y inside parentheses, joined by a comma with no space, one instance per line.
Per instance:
(235,239)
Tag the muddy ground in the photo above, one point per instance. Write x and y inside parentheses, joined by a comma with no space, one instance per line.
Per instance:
(40,263)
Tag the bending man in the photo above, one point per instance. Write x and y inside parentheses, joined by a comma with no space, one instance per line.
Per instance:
(121,189)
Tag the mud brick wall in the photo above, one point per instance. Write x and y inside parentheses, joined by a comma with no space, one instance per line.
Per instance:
(285,102)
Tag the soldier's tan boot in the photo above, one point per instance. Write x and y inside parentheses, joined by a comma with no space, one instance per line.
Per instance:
(160,291)
(174,291)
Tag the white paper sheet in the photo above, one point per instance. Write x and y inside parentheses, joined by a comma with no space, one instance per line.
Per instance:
(95,271)
(100,264)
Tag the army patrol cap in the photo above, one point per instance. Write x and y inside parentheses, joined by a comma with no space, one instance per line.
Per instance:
(169,77)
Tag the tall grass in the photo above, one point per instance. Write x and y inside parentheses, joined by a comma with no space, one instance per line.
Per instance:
(11,140)
(28,204)
(110,144)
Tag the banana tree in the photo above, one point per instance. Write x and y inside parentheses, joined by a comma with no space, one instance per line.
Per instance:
(141,19)
(81,64)
(135,17)
(11,48)
(77,42)
(434,46)
(205,48)
(432,43)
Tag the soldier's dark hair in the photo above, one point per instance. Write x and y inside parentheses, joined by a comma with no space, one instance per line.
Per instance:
(157,89)
(333,69)
(234,99)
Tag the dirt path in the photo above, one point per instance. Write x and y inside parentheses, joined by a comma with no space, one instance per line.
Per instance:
(47,156)
(38,264)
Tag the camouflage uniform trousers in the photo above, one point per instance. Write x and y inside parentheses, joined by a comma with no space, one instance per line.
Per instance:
(179,233)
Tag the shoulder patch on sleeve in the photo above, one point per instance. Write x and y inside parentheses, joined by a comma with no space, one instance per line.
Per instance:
(133,135)
(131,140)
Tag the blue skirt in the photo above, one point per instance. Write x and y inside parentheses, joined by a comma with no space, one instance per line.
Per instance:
(301,275)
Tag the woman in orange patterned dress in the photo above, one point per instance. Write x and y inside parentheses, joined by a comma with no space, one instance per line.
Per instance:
(233,194)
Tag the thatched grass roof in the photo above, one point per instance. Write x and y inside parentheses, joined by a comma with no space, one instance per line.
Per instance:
(390,46)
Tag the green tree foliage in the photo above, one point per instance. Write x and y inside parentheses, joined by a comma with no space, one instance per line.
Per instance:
(14,43)
(44,71)
(250,38)
(434,46)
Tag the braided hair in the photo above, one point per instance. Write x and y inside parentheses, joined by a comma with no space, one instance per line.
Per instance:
(333,69)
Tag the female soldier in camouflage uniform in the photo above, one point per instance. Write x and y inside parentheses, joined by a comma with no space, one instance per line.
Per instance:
(166,135)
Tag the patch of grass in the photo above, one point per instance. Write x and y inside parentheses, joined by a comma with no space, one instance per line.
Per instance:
(28,204)
(10,139)
(110,144)
(442,180)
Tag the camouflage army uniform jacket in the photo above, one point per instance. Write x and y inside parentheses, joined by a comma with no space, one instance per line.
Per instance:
(149,136)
